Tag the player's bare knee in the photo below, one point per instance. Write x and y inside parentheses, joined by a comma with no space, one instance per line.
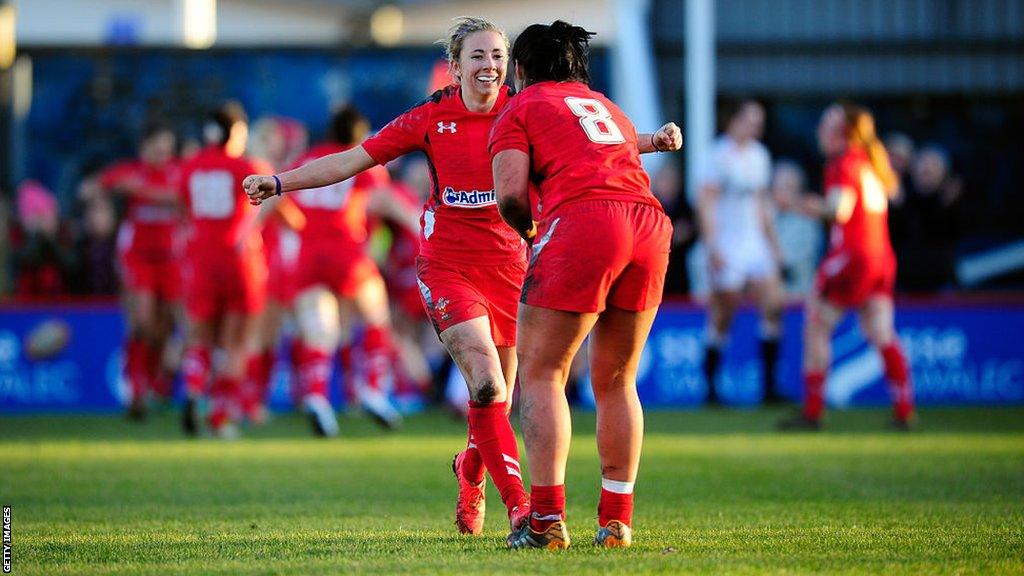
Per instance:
(487,392)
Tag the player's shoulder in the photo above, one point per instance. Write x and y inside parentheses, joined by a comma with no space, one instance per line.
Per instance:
(443,97)
(850,162)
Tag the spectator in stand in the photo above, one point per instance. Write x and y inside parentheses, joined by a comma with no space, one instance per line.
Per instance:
(6,230)
(44,253)
(931,211)
(667,186)
(800,237)
(97,248)
(901,155)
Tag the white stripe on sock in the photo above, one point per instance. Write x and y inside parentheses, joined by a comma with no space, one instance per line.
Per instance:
(616,486)
(511,460)
(513,472)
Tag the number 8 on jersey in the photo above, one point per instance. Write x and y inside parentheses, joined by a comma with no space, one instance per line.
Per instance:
(596,120)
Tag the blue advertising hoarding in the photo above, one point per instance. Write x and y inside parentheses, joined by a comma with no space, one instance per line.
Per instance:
(67,358)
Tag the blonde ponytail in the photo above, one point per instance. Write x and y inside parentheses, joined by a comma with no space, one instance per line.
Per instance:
(861,134)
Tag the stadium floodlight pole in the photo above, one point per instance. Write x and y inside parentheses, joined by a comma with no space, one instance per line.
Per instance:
(634,82)
(700,88)
(8,17)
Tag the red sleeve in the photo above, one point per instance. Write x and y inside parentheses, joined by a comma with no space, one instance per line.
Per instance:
(509,132)
(401,136)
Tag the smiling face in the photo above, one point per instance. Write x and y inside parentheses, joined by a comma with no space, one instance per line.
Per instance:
(482,65)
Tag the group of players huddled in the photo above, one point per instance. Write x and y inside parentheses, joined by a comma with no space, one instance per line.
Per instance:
(190,237)
(539,232)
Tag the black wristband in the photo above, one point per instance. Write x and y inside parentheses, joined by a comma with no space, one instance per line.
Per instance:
(277,185)
(655,146)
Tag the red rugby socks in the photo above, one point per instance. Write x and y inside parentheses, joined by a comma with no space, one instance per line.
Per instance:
(378,351)
(616,502)
(547,504)
(196,369)
(814,395)
(496,442)
(314,371)
(258,371)
(472,464)
(898,375)
(137,357)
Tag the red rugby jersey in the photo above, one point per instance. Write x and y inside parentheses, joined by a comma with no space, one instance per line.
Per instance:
(337,212)
(211,183)
(152,223)
(867,230)
(581,145)
(460,220)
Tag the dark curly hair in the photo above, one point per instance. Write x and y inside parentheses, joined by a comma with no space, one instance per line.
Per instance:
(559,52)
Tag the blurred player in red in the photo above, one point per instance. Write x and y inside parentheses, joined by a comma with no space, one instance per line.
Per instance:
(414,336)
(471,265)
(278,142)
(597,267)
(149,250)
(859,269)
(338,281)
(226,271)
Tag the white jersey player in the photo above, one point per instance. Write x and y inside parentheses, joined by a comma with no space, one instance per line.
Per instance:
(738,231)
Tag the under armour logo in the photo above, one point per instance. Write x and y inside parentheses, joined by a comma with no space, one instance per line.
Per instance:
(441,127)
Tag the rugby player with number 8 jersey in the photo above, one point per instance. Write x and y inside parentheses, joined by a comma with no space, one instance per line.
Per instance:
(597,268)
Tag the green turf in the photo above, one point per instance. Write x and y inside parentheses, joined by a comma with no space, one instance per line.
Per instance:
(718,493)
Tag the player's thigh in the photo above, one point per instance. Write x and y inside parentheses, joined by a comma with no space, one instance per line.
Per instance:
(616,343)
(370,299)
(471,347)
(316,314)
(145,311)
(549,339)
(820,315)
(768,293)
(877,319)
(722,306)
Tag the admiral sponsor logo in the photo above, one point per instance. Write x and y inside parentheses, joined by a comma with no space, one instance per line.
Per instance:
(470,199)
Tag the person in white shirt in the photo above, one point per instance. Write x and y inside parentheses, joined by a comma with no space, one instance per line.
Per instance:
(801,238)
(738,233)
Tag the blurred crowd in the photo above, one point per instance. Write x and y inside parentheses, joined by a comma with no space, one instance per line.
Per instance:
(55,249)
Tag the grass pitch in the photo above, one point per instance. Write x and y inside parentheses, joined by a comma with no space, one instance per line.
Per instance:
(718,492)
